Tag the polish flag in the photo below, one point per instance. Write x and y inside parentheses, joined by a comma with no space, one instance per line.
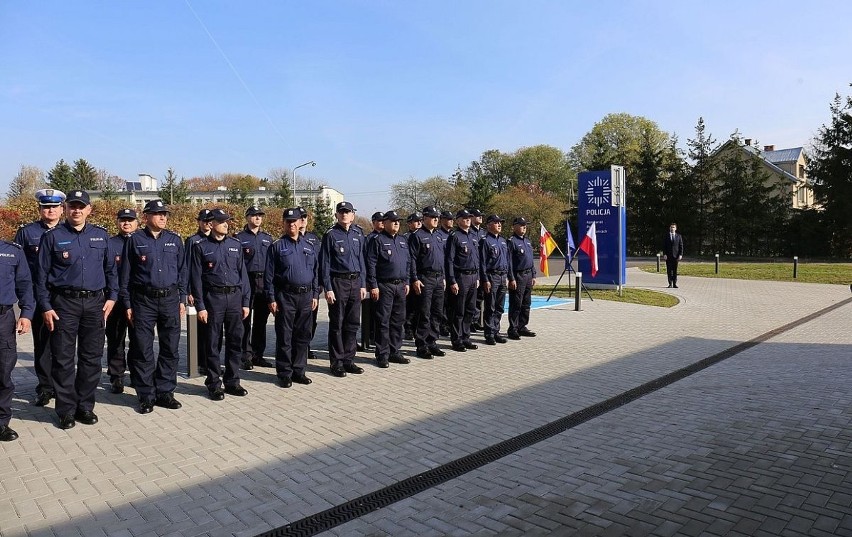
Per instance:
(589,244)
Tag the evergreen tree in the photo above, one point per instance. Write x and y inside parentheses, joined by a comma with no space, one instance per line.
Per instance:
(85,175)
(699,189)
(830,169)
(174,191)
(61,177)
(323,216)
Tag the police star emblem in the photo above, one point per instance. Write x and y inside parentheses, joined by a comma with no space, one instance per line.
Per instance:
(143,258)
(65,255)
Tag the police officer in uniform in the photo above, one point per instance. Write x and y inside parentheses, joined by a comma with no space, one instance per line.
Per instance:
(153,283)
(343,277)
(219,284)
(29,236)
(369,326)
(521,281)
(116,325)
(427,256)
(314,242)
(204,219)
(445,229)
(292,293)
(255,243)
(77,287)
(388,277)
(480,232)
(495,266)
(415,222)
(462,269)
(17,287)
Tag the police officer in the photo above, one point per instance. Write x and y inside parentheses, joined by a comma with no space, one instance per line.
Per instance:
(521,281)
(50,211)
(427,256)
(291,293)
(17,287)
(314,242)
(255,242)
(343,277)
(219,284)
(415,222)
(462,269)
(445,229)
(480,232)
(76,287)
(388,277)
(203,220)
(495,266)
(369,326)
(116,325)
(153,282)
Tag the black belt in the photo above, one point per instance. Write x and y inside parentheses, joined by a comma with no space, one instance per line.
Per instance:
(395,281)
(297,289)
(498,272)
(432,273)
(76,293)
(225,290)
(525,271)
(4,308)
(468,272)
(257,274)
(155,293)
(346,275)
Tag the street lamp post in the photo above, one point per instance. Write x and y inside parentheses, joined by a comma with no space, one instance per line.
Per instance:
(311,163)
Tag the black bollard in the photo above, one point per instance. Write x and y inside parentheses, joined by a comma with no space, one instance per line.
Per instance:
(578,285)
(658,262)
(717,263)
(795,266)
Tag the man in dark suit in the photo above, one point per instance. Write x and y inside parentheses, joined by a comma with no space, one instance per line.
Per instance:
(672,253)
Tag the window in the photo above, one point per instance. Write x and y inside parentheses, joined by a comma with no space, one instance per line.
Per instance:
(801,195)
(801,171)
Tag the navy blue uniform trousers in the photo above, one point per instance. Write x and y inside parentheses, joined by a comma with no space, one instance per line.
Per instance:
(224,312)
(390,317)
(254,326)
(494,304)
(463,308)
(519,302)
(429,305)
(293,324)
(118,361)
(155,375)
(343,321)
(8,359)
(42,357)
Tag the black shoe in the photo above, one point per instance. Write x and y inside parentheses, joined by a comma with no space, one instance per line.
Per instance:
(117,385)
(500,339)
(312,355)
(167,400)
(261,362)
(674,285)
(513,335)
(145,407)
(302,379)
(408,336)
(285,383)
(217,395)
(338,372)
(239,391)
(424,353)
(7,434)
(399,359)
(435,350)
(458,347)
(246,365)
(669,286)
(86,417)
(476,328)
(526,332)
(469,345)
(67,421)
(352,368)
(490,341)
(445,332)
(381,362)
(43,398)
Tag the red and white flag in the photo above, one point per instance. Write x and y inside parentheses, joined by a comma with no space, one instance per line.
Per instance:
(589,244)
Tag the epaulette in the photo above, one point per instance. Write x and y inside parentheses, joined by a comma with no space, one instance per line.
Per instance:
(100,227)
(14,244)
(50,229)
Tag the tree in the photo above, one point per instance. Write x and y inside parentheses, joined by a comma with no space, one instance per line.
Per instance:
(109,185)
(85,175)
(23,187)
(323,216)
(542,165)
(61,177)
(533,203)
(239,189)
(174,191)
(830,169)
(616,140)
(698,188)
(279,182)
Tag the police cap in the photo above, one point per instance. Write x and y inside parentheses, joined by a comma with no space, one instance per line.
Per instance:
(80,196)
(49,197)
(126,213)
(155,206)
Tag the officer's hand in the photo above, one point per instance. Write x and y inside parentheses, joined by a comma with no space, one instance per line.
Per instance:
(23,325)
(245,312)
(487,287)
(273,308)
(202,316)
(129,315)
(444,284)
(314,304)
(679,257)
(108,308)
(513,285)
(329,297)
(477,284)
(418,287)
(454,288)
(190,300)
(182,309)
(363,293)
(374,294)
(49,317)
(532,282)
(407,289)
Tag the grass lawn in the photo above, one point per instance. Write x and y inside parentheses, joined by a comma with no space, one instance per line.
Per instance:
(837,273)
(629,295)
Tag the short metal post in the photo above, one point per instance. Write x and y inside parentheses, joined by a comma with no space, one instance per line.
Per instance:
(658,262)
(191,342)
(578,285)
(717,263)
(795,266)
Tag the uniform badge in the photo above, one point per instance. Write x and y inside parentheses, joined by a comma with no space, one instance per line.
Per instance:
(341,249)
(427,245)
(389,252)
(464,249)
(210,264)
(143,258)
(118,259)
(522,250)
(65,255)
(248,250)
(35,248)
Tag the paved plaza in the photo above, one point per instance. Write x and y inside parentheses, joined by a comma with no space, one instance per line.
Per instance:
(758,444)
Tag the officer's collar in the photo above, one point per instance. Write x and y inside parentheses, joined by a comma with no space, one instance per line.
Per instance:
(69,227)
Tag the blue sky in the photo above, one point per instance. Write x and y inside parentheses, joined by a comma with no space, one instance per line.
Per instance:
(377,92)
